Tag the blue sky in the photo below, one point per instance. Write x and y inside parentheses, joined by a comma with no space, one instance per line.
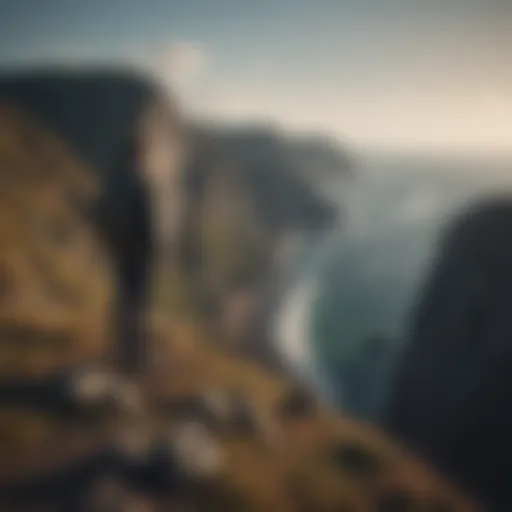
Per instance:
(384,74)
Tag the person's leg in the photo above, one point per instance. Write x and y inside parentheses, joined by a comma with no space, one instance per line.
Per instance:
(131,352)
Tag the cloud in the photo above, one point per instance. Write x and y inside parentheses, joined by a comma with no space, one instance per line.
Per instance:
(426,117)
(179,64)
(187,61)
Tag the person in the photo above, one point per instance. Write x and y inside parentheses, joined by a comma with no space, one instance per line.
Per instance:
(124,215)
(141,214)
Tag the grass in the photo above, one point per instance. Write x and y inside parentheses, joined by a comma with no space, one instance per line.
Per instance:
(295,466)
(286,468)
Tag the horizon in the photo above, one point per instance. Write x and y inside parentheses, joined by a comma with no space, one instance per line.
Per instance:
(388,76)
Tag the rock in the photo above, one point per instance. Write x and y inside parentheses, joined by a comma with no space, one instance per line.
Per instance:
(220,411)
(197,453)
(77,393)
(96,390)
(232,411)
(90,387)
(218,406)
(128,399)
(451,398)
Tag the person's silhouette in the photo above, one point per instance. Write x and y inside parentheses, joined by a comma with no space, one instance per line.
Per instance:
(124,214)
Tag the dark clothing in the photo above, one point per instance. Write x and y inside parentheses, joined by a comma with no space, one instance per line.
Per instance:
(95,111)
(131,336)
(125,214)
(126,210)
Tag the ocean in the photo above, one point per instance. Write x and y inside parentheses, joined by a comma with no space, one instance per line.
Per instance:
(361,281)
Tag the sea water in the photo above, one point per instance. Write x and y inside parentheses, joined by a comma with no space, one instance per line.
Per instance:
(361,282)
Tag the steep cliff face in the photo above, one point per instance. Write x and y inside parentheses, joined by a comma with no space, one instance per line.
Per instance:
(319,157)
(451,399)
(276,171)
(57,281)
(252,204)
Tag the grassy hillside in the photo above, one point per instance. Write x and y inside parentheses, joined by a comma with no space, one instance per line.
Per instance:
(55,278)
(289,462)
(56,291)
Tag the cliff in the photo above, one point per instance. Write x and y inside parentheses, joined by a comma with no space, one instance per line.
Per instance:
(279,170)
(251,204)
(299,457)
(456,368)
(248,189)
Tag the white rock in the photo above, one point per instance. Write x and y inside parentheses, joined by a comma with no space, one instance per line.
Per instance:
(198,453)
(92,386)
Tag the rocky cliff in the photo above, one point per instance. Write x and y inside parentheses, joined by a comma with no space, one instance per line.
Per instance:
(204,430)
(451,393)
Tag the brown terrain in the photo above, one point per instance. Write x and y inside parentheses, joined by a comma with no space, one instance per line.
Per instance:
(56,293)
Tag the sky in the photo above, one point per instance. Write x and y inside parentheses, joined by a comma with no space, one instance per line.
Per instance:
(414,75)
